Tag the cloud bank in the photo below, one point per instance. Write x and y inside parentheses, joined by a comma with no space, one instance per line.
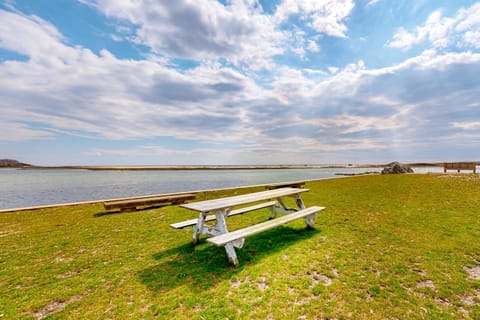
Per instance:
(239,103)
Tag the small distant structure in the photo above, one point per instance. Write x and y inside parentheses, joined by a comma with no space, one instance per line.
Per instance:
(460,166)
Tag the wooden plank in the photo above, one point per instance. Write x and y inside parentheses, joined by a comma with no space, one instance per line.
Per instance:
(147,201)
(292,184)
(222,203)
(187,223)
(249,231)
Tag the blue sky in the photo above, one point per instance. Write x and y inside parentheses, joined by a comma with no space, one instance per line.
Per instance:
(107,82)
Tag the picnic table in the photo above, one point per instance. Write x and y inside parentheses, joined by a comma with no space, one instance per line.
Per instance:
(222,208)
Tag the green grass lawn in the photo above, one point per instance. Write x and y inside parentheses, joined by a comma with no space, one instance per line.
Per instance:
(386,247)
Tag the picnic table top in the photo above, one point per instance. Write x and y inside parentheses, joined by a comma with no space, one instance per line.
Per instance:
(228,202)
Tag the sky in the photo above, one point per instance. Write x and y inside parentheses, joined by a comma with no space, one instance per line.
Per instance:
(230,82)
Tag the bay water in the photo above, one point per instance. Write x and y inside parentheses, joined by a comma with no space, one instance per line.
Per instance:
(25,188)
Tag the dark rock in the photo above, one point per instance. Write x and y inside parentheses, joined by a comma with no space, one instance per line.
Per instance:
(396,167)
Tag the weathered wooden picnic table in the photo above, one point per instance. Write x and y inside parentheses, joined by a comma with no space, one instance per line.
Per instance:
(132,203)
(222,208)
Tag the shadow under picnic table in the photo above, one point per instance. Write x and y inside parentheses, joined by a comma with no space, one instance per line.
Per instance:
(203,265)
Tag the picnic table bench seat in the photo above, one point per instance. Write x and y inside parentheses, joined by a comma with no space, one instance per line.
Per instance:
(132,204)
(263,226)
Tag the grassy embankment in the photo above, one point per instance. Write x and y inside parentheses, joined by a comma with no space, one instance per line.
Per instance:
(386,247)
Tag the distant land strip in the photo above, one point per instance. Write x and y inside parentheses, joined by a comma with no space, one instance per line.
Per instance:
(207,167)
(8,163)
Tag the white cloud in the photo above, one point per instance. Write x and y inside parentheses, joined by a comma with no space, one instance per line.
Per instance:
(467,125)
(313,46)
(436,29)
(17,32)
(329,20)
(112,98)
(325,16)
(298,42)
(239,32)
(441,32)
(16,132)
(472,39)
(291,86)
(468,18)
(333,70)
(404,39)
(315,72)
(354,124)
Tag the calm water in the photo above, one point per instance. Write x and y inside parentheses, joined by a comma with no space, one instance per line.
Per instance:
(24,188)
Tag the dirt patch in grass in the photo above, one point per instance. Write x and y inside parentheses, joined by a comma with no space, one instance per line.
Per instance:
(236,283)
(5,233)
(468,301)
(262,284)
(55,306)
(63,260)
(426,284)
(473,272)
(445,302)
(471,300)
(68,274)
(318,278)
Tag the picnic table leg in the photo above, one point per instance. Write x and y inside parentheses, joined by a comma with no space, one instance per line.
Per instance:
(299,202)
(281,207)
(301,206)
(273,210)
(198,228)
(229,247)
(221,226)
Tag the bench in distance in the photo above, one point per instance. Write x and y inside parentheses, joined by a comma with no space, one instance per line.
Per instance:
(291,184)
(460,166)
(132,204)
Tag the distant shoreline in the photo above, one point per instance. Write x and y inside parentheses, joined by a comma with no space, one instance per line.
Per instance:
(14,164)
(219,167)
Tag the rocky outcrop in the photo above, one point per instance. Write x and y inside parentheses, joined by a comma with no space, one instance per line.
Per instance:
(9,163)
(396,167)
